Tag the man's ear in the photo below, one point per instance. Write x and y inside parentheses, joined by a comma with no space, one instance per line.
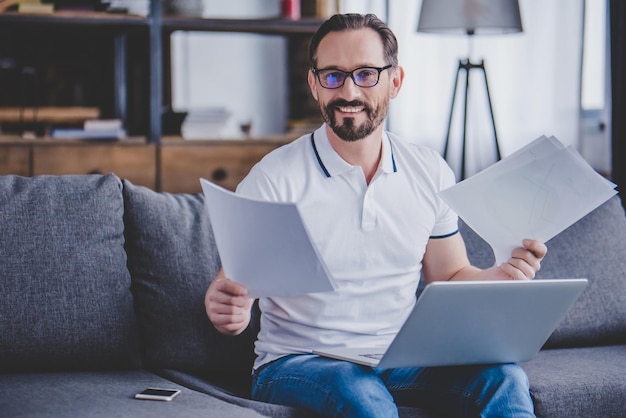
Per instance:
(397,77)
(312,84)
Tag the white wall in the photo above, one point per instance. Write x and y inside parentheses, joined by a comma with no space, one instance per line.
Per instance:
(534,80)
(244,73)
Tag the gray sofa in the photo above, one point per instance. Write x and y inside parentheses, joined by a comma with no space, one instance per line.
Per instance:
(102,286)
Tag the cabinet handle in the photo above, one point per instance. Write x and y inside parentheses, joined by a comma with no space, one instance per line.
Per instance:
(219,174)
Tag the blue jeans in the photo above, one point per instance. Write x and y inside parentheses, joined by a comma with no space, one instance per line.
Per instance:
(342,389)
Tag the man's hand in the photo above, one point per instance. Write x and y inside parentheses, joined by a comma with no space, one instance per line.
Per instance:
(446,259)
(227,306)
(525,261)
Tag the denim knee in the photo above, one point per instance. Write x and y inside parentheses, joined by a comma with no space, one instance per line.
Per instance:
(328,387)
(511,375)
(505,392)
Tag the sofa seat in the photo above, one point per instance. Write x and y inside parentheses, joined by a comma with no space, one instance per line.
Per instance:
(104,394)
(238,397)
(579,382)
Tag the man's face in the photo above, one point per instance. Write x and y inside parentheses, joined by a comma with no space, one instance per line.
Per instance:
(353,112)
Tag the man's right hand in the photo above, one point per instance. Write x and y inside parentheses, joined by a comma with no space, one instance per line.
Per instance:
(227,305)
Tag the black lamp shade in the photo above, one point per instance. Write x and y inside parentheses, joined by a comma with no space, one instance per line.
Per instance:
(469,17)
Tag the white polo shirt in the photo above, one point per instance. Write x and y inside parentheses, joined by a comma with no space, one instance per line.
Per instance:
(372,239)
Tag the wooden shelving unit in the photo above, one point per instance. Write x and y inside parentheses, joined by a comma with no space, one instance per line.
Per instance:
(160,163)
(75,18)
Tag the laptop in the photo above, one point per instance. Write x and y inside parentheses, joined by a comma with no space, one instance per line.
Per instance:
(473,322)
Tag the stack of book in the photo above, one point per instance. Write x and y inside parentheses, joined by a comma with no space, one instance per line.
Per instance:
(93,129)
(184,7)
(206,123)
(132,7)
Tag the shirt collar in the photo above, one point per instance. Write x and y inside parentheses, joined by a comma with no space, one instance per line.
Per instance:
(332,164)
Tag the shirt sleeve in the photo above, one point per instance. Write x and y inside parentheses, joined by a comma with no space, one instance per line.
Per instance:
(447,220)
(257,185)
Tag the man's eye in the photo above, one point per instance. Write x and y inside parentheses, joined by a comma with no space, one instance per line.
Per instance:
(334,75)
(366,73)
(333,78)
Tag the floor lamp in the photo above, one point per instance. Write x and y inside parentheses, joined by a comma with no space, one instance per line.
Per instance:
(469,17)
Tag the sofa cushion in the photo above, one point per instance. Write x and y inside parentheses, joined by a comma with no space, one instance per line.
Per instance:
(592,248)
(66,301)
(105,394)
(172,259)
(579,382)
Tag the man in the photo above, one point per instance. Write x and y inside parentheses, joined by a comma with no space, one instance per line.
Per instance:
(370,203)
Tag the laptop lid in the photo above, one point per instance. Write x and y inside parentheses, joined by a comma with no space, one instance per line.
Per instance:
(474,322)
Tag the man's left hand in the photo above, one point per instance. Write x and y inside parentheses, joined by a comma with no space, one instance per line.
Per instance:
(525,261)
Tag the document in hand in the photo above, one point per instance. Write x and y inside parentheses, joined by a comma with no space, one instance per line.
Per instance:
(537,192)
(264,245)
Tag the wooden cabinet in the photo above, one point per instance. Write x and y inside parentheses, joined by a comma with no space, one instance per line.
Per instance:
(136,163)
(15,159)
(226,163)
(174,166)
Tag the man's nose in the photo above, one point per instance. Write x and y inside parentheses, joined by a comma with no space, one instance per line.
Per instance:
(350,88)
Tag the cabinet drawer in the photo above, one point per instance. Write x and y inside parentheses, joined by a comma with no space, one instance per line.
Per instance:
(136,163)
(15,159)
(182,165)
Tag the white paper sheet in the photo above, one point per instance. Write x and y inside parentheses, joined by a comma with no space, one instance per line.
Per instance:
(536,193)
(264,245)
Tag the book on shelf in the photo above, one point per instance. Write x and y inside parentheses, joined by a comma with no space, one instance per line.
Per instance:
(88,134)
(132,7)
(102,124)
(321,9)
(27,6)
(35,7)
(102,129)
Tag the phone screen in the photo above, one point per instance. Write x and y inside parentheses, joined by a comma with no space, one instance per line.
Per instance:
(158,394)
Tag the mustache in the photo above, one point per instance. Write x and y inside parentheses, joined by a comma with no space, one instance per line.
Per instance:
(344,103)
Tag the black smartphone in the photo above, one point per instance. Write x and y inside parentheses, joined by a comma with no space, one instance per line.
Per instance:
(155,394)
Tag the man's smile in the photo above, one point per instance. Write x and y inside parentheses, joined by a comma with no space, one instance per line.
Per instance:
(350,109)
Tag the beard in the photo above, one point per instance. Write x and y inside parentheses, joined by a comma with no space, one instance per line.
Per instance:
(347,130)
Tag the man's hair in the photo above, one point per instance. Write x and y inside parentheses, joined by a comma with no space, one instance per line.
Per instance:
(354,21)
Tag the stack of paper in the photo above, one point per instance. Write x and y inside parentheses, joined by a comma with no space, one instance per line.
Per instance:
(537,192)
(206,123)
(264,245)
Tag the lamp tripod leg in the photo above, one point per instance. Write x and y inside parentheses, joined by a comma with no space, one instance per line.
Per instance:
(493,120)
(456,83)
(463,144)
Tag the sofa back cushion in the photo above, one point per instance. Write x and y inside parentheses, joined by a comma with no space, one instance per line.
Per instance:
(592,248)
(66,301)
(172,260)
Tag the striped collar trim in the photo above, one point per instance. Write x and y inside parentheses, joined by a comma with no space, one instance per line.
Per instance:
(336,165)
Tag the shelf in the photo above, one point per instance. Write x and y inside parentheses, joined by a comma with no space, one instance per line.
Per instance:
(169,23)
(46,140)
(271,26)
(77,18)
(264,140)
(48,114)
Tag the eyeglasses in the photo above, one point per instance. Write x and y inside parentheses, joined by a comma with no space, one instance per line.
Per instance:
(332,78)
